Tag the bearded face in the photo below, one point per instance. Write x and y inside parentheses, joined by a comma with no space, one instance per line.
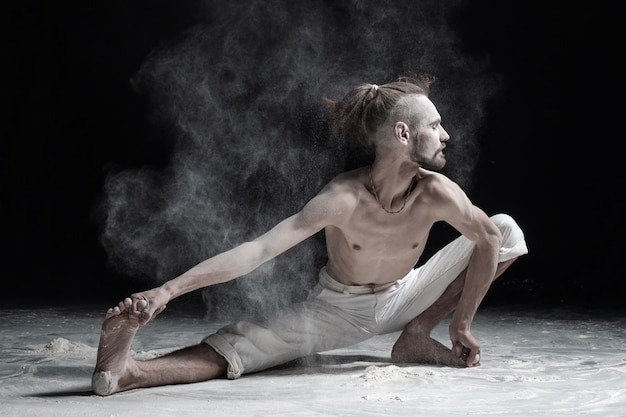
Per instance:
(428,143)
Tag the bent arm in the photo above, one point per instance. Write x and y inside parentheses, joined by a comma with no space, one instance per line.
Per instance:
(475,225)
(481,269)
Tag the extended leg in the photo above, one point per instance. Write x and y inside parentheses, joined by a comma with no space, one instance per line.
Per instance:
(117,371)
(415,344)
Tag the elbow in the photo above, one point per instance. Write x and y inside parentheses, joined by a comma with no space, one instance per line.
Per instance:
(493,240)
(490,241)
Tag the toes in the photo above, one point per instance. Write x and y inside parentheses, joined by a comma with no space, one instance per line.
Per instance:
(121,306)
(124,305)
(113,312)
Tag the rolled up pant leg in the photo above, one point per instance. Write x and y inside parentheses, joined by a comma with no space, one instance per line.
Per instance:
(297,331)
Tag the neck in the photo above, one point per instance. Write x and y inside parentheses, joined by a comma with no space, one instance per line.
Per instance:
(392,184)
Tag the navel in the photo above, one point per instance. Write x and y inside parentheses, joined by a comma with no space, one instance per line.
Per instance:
(356,247)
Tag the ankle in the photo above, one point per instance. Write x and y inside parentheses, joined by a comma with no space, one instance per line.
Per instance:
(418,329)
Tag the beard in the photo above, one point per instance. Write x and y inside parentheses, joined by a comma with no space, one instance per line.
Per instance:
(434,162)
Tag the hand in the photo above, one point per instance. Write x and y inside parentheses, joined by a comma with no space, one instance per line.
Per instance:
(465,346)
(148,304)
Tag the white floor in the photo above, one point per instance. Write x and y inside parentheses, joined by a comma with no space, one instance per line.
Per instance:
(533,364)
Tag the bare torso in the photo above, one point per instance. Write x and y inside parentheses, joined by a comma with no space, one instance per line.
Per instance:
(372,246)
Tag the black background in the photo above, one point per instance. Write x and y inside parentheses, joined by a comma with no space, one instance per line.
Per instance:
(550,148)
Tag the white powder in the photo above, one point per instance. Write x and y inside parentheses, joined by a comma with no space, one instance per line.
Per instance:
(62,346)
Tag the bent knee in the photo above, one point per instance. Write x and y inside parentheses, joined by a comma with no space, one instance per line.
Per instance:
(510,230)
(513,241)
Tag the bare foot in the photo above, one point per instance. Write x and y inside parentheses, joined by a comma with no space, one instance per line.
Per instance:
(422,349)
(114,361)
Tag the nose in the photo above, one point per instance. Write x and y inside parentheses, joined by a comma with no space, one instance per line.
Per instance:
(443,137)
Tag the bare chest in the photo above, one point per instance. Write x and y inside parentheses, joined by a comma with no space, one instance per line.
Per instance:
(373,237)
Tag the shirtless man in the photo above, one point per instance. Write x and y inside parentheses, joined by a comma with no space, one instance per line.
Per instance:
(376,221)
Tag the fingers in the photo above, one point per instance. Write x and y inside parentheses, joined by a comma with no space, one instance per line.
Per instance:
(142,305)
(476,361)
(469,356)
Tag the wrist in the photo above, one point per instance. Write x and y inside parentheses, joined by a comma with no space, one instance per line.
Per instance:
(167,292)
(460,323)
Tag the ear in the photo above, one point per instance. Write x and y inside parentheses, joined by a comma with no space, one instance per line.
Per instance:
(401,131)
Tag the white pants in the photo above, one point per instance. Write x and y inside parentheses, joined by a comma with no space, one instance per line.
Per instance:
(337,315)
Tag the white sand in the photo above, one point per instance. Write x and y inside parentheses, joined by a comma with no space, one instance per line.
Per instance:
(553,364)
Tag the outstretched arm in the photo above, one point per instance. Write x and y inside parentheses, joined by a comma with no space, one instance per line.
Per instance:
(324,209)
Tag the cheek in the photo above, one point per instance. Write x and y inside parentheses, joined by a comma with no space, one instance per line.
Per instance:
(422,143)
(416,147)
(426,142)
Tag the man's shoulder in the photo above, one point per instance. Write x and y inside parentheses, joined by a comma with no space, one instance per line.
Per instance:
(345,189)
(348,181)
(437,187)
(335,201)
(433,180)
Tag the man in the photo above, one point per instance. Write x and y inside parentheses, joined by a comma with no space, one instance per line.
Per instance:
(376,221)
